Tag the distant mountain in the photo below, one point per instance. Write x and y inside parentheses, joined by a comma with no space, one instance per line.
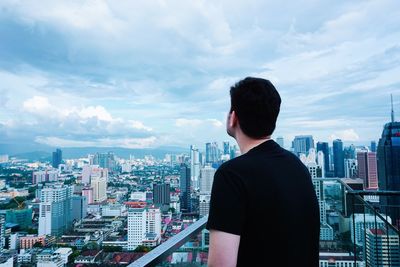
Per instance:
(44,153)
(76,152)
(34,156)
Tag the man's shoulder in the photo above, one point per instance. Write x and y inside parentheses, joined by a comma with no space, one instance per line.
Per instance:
(233,163)
(270,160)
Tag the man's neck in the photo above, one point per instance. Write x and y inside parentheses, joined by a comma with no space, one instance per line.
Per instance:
(245,143)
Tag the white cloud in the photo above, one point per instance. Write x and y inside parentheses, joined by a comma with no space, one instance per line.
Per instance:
(197,122)
(98,111)
(346,135)
(120,70)
(102,142)
(317,124)
(39,105)
(188,122)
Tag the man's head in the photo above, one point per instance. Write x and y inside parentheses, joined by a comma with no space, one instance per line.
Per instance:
(255,105)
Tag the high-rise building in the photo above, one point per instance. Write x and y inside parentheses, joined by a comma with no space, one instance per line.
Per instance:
(185,188)
(280,141)
(350,168)
(87,192)
(161,194)
(204,204)
(136,227)
(99,185)
(79,207)
(105,160)
(44,176)
(144,225)
(153,222)
(302,144)
(208,152)
(55,210)
(22,217)
(363,222)
(234,152)
(194,166)
(86,171)
(89,171)
(352,204)
(212,152)
(226,148)
(57,158)
(349,152)
(338,158)
(388,156)
(367,169)
(2,232)
(373,146)
(315,165)
(338,259)
(206,179)
(382,248)
(324,148)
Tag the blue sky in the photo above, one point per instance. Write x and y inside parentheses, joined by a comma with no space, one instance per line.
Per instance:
(142,74)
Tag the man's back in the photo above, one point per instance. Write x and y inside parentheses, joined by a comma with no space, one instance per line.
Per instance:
(266,196)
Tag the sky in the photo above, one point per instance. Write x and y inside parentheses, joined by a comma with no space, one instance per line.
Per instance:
(145,74)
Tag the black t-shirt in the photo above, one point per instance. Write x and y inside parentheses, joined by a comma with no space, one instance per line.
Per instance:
(267,197)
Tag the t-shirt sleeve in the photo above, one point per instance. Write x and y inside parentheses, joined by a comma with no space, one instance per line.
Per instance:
(227,204)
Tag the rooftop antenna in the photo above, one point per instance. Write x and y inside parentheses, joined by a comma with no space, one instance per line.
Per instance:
(391,98)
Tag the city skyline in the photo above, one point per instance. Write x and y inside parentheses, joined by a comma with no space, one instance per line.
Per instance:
(138,75)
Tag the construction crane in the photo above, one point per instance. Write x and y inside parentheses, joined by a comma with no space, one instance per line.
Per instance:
(21,205)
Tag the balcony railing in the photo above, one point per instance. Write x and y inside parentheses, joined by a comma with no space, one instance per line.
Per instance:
(356,230)
(156,256)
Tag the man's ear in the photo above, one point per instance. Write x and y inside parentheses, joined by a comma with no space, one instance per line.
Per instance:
(233,119)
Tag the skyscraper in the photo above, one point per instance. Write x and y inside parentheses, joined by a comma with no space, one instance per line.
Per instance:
(143,223)
(2,232)
(87,192)
(22,217)
(184,182)
(233,152)
(302,144)
(212,152)
(373,146)
(350,168)
(204,204)
(382,248)
(208,152)
(79,207)
(350,152)
(55,210)
(338,158)
(99,185)
(105,160)
(153,221)
(161,194)
(315,168)
(367,169)
(226,148)
(44,176)
(324,148)
(57,158)
(206,179)
(388,158)
(194,166)
(136,227)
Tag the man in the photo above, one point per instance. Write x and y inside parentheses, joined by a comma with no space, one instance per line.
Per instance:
(263,209)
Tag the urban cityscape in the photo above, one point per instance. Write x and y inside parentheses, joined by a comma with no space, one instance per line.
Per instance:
(105,210)
(113,124)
